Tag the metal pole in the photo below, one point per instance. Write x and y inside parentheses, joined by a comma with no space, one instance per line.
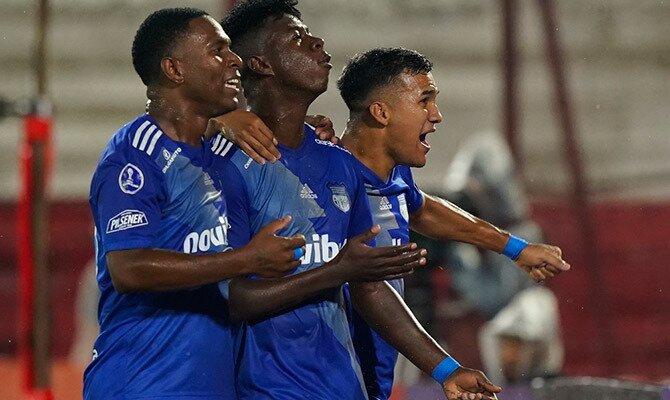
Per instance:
(35,159)
(600,304)
(510,108)
(41,47)
(41,148)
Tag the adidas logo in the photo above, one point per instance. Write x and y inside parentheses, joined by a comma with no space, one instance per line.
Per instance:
(385,204)
(306,192)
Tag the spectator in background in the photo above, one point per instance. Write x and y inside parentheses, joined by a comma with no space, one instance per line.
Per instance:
(523,341)
(481,179)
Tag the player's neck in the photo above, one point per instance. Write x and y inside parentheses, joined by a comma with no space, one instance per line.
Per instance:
(285,117)
(178,120)
(366,145)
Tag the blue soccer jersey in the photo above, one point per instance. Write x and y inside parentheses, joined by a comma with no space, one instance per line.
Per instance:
(149,191)
(391,202)
(306,352)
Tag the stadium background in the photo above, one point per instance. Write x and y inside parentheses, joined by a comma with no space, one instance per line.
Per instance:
(617,60)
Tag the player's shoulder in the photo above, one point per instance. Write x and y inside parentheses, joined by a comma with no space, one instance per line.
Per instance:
(221,147)
(328,149)
(226,154)
(137,141)
(130,155)
(327,145)
(330,146)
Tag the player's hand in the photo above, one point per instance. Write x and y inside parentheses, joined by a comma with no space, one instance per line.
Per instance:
(542,261)
(323,127)
(248,132)
(359,262)
(469,384)
(274,256)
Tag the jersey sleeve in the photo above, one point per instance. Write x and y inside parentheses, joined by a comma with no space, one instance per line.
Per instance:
(126,193)
(414,195)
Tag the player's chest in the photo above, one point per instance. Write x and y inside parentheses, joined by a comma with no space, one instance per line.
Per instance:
(389,206)
(313,197)
(191,191)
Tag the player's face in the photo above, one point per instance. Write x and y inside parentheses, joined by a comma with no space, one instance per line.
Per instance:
(209,67)
(414,114)
(298,59)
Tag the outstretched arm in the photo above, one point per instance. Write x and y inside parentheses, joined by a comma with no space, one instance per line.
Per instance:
(384,310)
(440,219)
(251,299)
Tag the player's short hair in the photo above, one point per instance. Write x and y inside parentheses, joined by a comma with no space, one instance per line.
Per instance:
(375,69)
(247,17)
(156,37)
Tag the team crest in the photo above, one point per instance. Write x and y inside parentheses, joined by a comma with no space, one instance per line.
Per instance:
(340,197)
(131,179)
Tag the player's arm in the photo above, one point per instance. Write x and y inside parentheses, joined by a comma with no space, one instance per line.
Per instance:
(253,299)
(384,310)
(147,269)
(440,219)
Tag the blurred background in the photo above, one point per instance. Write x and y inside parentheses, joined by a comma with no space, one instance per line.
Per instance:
(556,125)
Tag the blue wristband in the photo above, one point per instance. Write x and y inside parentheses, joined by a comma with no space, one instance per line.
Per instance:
(444,369)
(298,252)
(514,247)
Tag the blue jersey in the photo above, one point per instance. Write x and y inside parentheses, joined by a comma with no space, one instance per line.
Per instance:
(306,352)
(149,191)
(391,202)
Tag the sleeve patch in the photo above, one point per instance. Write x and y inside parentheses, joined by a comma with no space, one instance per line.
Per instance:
(131,179)
(126,219)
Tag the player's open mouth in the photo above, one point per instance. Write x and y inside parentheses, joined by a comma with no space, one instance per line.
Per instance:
(233,83)
(423,141)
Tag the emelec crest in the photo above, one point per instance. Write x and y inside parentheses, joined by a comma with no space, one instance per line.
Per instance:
(340,197)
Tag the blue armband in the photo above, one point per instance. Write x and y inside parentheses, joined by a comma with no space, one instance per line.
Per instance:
(514,247)
(298,252)
(444,369)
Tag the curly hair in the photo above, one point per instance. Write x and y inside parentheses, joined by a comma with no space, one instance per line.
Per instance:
(247,16)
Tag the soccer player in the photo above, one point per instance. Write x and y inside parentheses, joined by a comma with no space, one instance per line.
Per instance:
(391,96)
(296,342)
(161,226)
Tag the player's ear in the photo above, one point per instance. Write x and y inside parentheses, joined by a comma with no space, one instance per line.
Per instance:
(259,65)
(380,112)
(172,69)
